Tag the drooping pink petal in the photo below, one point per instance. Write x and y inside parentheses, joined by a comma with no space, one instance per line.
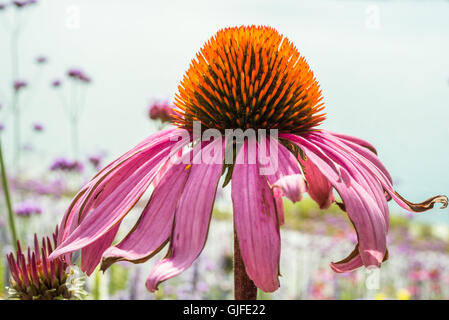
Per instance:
(255,221)
(99,187)
(350,263)
(192,216)
(292,186)
(166,167)
(354,140)
(278,162)
(91,254)
(373,165)
(155,224)
(361,204)
(278,194)
(115,204)
(319,188)
(280,165)
(357,171)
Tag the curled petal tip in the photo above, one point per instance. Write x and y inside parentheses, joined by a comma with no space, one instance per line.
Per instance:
(427,204)
(443,200)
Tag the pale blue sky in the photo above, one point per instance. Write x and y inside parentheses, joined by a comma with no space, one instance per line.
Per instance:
(387,83)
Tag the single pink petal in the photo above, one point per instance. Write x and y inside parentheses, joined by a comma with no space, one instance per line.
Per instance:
(278,194)
(166,167)
(319,188)
(282,162)
(91,254)
(155,224)
(292,186)
(287,174)
(116,203)
(256,222)
(192,217)
(354,140)
(351,263)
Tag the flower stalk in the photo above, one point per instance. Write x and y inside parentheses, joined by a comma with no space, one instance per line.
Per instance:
(12,224)
(244,288)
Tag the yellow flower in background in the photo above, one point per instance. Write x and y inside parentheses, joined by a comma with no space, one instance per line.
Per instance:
(403,294)
(380,296)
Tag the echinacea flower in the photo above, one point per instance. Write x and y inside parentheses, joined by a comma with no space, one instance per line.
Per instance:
(243,78)
(35,277)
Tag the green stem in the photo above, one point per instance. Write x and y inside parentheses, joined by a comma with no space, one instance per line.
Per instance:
(12,224)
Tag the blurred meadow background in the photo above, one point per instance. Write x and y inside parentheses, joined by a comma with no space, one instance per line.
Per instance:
(78,79)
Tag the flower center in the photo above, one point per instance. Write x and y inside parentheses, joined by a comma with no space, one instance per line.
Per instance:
(249,77)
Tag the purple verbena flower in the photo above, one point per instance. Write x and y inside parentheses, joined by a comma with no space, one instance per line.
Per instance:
(160,111)
(56,83)
(27,208)
(41,60)
(19,85)
(79,75)
(95,160)
(38,127)
(63,164)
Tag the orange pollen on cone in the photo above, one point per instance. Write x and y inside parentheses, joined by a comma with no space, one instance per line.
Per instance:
(249,77)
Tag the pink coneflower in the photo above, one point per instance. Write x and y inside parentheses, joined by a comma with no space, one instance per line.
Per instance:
(243,78)
(35,277)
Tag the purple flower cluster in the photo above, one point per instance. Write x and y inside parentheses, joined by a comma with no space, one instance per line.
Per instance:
(23,3)
(38,127)
(19,85)
(56,83)
(95,160)
(66,165)
(160,110)
(41,60)
(78,74)
(27,208)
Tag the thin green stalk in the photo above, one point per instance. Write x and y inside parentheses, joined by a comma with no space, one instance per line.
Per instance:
(12,224)
(14,47)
